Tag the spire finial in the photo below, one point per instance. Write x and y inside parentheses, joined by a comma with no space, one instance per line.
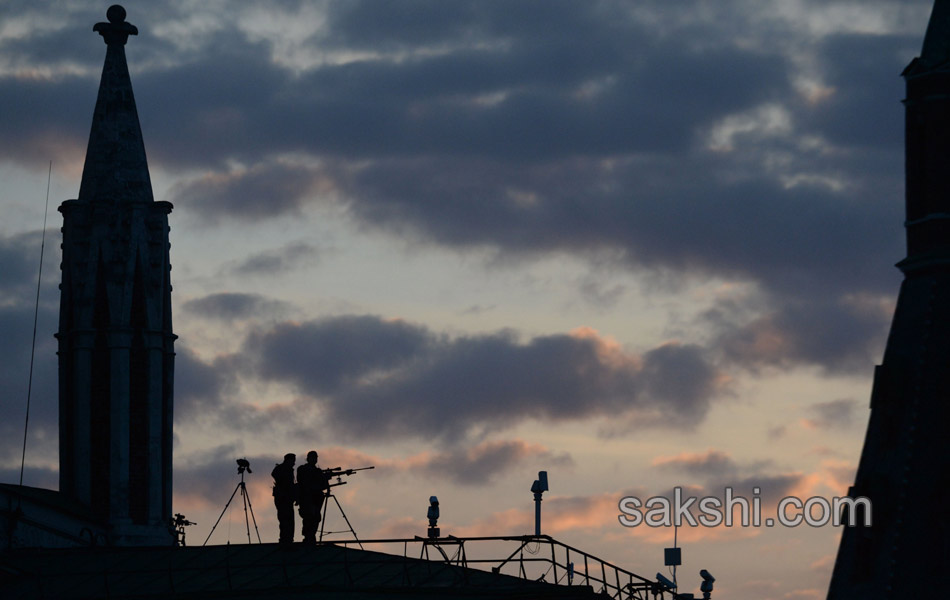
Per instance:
(116,169)
(117,30)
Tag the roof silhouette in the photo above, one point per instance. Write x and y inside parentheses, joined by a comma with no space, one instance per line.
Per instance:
(255,571)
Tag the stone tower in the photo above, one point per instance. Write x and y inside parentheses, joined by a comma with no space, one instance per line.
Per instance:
(905,464)
(116,357)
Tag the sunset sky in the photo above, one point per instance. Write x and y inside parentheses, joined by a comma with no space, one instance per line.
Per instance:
(639,244)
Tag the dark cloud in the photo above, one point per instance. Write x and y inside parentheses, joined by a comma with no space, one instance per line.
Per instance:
(323,356)
(274,261)
(834,414)
(751,228)
(530,129)
(862,108)
(48,120)
(771,487)
(232,306)
(712,463)
(377,378)
(482,463)
(19,263)
(370,25)
(433,103)
(601,294)
(200,387)
(839,336)
(680,375)
(19,260)
(210,475)
(714,470)
(262,191)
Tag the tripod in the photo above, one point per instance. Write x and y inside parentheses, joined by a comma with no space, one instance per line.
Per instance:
(323,520)
(247,506)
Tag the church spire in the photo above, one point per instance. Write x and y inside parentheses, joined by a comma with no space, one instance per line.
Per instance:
(927,146)
(116,169)
(936,50)
(116,345)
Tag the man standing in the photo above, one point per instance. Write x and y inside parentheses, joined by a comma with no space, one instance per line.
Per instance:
(285,494)
(313,484)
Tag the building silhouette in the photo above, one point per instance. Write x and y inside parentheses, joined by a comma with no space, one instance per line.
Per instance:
(116,356)
(904,468)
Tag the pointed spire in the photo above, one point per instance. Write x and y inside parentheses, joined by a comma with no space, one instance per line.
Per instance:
(116,169)
(936,51)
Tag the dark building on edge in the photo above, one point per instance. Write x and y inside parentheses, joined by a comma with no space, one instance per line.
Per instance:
(905,464)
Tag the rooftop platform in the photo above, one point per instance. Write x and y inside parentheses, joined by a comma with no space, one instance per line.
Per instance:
(256,571)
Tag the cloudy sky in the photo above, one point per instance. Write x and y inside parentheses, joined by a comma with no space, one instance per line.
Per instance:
(639,244)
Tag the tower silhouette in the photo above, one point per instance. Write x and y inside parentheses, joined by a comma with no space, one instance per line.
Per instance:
(905,464)
(116,356)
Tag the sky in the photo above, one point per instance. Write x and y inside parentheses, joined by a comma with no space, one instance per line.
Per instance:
(640,245)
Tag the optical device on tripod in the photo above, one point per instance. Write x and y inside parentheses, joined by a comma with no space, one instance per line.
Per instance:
(178,524)
(243,465)
(338,473)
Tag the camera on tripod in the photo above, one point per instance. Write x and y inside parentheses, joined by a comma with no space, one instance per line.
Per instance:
(242,466)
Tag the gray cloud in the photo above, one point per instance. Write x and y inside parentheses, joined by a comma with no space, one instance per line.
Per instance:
(864,110)
(211,475)
(231,306)
(262,191)
(19,261)
(712,472)
(712,463)
(200,387)
(751,228)
(277,260)
(834,414)
(377,378)
(839,336)
(528,129)
(482,463)
(17,325)
(19,258)
(325,355)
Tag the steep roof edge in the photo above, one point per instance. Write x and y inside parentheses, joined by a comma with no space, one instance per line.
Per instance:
(936,49)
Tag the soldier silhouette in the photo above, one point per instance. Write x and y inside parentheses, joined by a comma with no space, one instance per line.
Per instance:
(312,484)
(285,494)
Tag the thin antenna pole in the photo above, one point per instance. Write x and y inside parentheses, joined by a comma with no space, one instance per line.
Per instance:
(36,313)
(675,530)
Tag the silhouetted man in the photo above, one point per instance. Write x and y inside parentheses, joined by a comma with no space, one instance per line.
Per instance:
(312,484)
(285,494)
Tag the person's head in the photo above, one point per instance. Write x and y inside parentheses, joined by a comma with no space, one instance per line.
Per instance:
(290,458)
(312,457)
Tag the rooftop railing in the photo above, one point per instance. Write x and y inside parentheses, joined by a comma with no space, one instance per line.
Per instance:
(535,557)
